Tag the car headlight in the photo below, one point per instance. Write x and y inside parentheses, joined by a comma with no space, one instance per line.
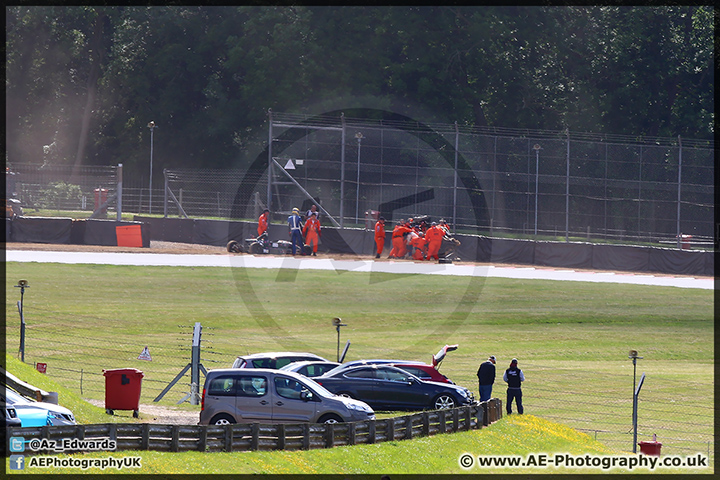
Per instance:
(464,392)
(358,406)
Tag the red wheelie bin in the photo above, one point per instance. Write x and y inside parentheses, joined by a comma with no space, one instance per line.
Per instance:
(122,390)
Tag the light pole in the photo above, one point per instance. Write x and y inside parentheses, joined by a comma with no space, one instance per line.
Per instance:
(537,149)
(22,285)
(359,137)
(337,322)
(634,357)
(152,127)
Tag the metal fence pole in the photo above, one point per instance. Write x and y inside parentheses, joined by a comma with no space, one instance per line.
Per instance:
(342,172)
(567,189)
(679,240)
(119,191)
(165,193)
(270,161)
(455,176)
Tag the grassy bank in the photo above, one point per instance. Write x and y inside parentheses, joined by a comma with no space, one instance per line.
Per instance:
(572,338)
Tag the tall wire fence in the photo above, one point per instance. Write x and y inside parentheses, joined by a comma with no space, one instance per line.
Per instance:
(600,403)
(502,182)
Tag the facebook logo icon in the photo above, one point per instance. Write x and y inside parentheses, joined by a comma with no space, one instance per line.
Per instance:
(17,462)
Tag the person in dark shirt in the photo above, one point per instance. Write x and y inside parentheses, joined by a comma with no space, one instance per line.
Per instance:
(514,377)
(486,378)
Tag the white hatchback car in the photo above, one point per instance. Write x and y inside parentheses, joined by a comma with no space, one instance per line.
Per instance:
(273,359)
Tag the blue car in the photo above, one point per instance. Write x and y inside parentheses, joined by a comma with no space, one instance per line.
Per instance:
(11,418)
(37,414)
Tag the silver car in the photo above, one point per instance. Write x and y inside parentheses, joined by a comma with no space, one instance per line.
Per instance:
(271,396)
(273,359)
(310,369)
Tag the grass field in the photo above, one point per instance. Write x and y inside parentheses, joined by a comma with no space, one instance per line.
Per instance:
(571,338)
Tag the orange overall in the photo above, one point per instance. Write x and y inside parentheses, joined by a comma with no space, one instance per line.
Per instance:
(434,237)
(420,244)
(262,223)
(312,232)
(399,249)
(380,236)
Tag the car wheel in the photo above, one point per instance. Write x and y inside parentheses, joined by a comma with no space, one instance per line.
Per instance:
(222,419)
(256,249)
(330,418)
(443,401)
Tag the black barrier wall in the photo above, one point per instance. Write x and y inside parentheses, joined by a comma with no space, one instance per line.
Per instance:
(68,231)
(473,248)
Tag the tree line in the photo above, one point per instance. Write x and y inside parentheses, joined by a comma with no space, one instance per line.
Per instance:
(83,82)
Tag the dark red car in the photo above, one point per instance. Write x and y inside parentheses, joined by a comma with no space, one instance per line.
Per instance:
(421,370)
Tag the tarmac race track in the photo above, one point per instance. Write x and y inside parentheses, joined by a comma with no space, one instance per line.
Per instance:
(357,265)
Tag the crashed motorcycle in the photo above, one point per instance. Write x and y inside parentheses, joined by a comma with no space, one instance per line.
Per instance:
(263,245)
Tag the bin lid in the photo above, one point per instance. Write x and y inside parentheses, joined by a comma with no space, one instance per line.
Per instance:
(650,443)
(120,371)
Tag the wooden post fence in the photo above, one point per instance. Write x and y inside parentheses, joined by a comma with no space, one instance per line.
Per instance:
(256,436)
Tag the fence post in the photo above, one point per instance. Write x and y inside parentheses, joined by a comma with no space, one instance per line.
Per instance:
(371,431)
(306,436)
(145,436)
(390,429)
(443,423)
(425,423)
(281,436)
(255,436)
(228,438)
(456,419)
(480,416)
(409,427)
(329,435)
(351,433)
(202,440)
(174,438)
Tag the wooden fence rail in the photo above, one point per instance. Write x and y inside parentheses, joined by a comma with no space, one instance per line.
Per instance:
(255,436)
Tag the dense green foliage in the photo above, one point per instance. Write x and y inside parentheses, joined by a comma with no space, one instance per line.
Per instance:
(84,81)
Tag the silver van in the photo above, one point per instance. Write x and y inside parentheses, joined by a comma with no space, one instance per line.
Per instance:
(261,395)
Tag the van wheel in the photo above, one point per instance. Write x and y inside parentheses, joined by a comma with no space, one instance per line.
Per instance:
(222,419)
(330,418)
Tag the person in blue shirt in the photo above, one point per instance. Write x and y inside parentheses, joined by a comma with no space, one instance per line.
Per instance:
(296,225)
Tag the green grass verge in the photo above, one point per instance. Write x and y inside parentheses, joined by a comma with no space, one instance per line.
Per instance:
(572,338)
